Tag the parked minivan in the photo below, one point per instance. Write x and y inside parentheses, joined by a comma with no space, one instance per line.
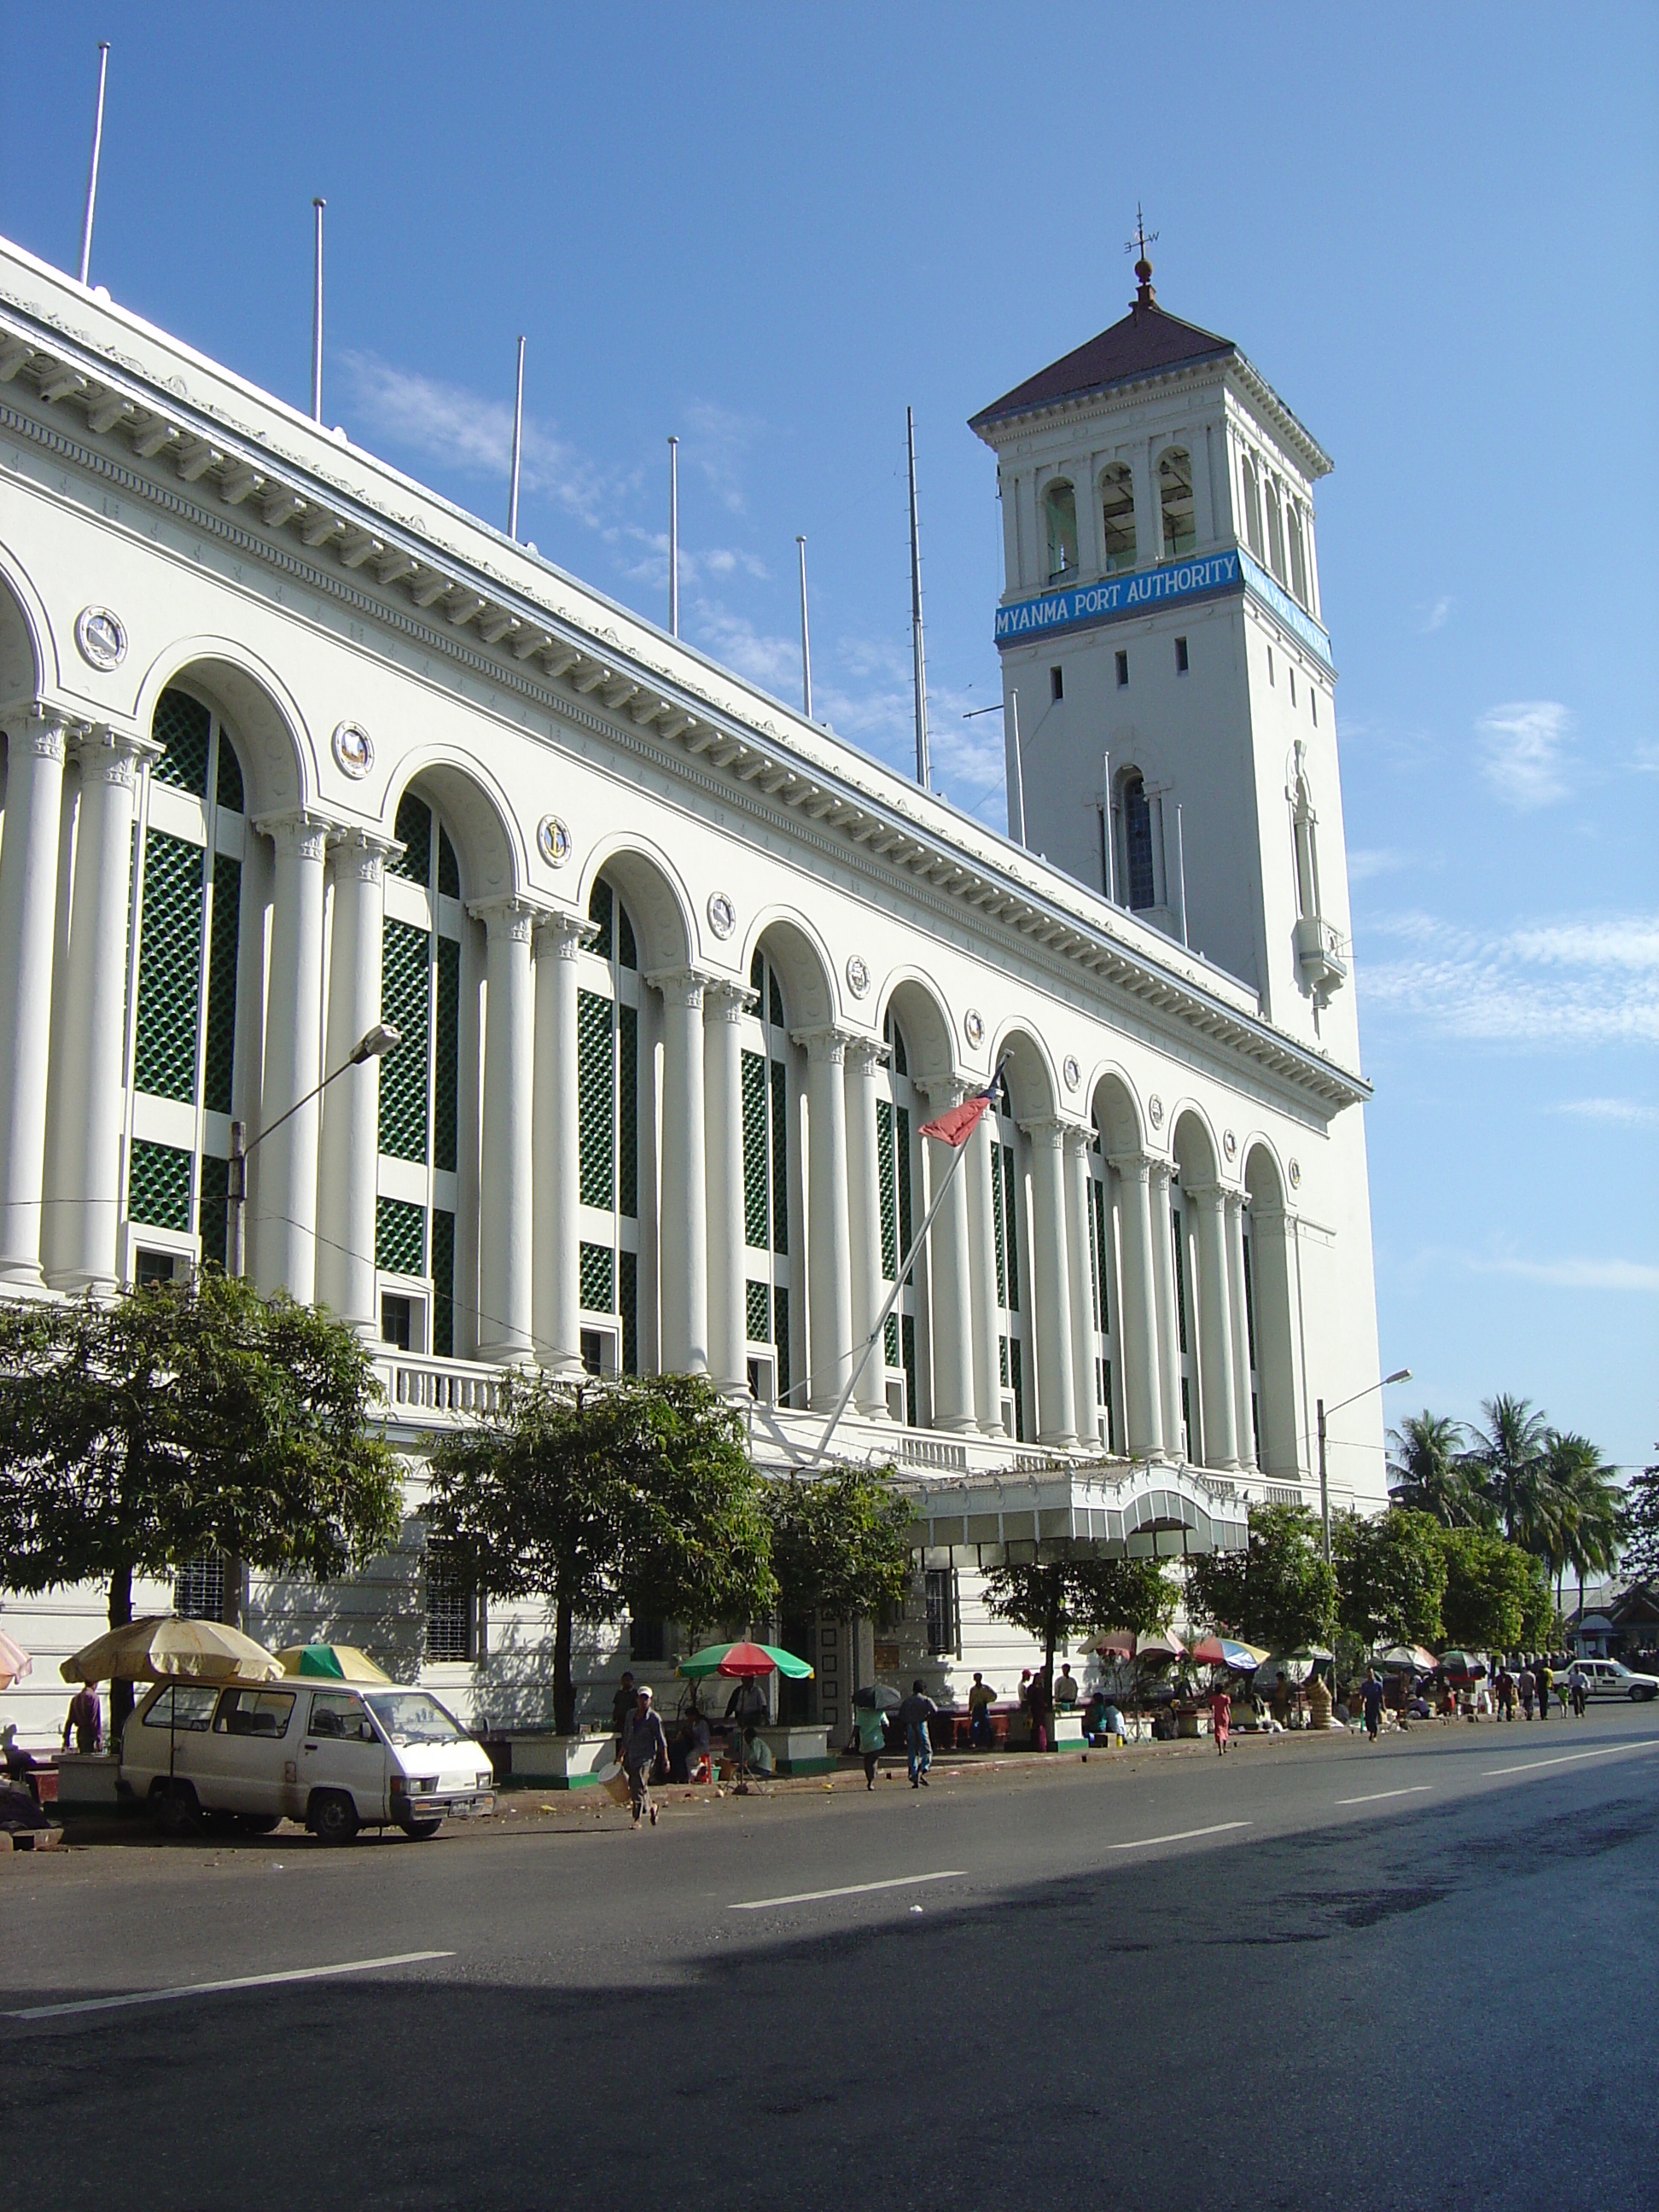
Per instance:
(337,1756)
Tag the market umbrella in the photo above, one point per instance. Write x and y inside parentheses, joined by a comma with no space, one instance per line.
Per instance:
(1161,1646)
(1402,1658)
(1118,1640)
(743,1660)
(14,1662)
(337,1662)
(877,1697)
(1227,1651)
(159,1647)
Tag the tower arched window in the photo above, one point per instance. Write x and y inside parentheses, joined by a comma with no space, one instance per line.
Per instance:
(1138,872)
(1250,487)
(1059,508)
(1276,530)
(1117,519)
(1298,552)
(1175,494)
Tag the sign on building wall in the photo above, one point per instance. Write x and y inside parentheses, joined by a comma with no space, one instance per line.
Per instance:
(1114,599)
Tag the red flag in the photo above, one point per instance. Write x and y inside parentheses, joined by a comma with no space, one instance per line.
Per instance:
(960,1123)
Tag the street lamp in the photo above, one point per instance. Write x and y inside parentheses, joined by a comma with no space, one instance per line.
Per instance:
(1401,1375)
(373,1044)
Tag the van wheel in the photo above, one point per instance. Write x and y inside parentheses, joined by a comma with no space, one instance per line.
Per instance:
(1638,1696)
(332,1817)
(420,1832)
(176,1808)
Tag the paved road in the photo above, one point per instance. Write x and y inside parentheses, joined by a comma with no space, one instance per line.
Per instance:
(1313,1974)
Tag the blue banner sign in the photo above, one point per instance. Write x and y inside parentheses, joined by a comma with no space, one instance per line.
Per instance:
(1115,598)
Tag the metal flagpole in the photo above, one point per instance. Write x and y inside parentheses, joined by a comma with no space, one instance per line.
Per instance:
(673,536)
(317,319)
(517,447)
(923,774)
(1111,842)
(92,173)
(1181,873)
(805,639)
(1017,824)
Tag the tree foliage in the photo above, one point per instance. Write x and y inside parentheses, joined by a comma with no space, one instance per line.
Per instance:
(1496,1596)
(840,1542)
(1064,1599)
(138,1433)
(635,1495)
(1279,1592)
(1390,1576)
(1641,1524)
(1430,1472)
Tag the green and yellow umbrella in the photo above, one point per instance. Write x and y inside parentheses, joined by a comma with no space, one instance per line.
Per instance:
(335,1662)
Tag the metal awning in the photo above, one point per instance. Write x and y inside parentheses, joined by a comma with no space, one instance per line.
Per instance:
(1120,1512)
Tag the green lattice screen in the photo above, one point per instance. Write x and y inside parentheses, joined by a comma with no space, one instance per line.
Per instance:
(222,983)
(1249,1299)
(1106,1403)
(884,1176)
(780,1338)
(182,725)
(413,830)
(1011,1226)
(1099,1252)
(446,1074)
(889,1342)
(628,1300)
(169,965)
(158,1186)
(443,1282)
(758,1299)
(754,1151)
(908,1344)
(403,988)
(599,910)
(627,1111)
(1180,1280)
(595,1078)
(228,778)
(627,951)
(214,1192)
(1002,1343)
(449,874)
(599,1279)
(999,1209)
(779,1157)
(399,1237)
(1017,1372)
(902,1156)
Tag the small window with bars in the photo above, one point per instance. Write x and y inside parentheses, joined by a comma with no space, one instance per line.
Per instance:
(198,1588)
(452,1608)
(944,1613)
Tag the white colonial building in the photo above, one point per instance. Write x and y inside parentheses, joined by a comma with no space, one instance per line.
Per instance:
(293,746)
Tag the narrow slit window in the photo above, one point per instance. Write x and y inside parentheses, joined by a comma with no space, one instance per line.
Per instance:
(1182,662)
(1056,683)
(1117,519)
(1122,671)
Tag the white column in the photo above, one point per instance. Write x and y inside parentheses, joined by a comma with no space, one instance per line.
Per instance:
(978,1168)
(556,1154)
(723,1006)
(28,912)
(1056,1392)
(1078,1204)
(1215,1339)
(863,1061)
(285,1218)
(828,1255)
(1169,1326)
(349,1176)
(86,1108)
(505,1274)
(1244,1427)
(950,1303)
(1137,1319)
(683,1222)
(1285,1451)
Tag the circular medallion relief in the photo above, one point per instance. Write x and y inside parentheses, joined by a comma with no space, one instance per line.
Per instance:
(553,840)
(102,638)
(1230,1145)
(722,915)
(1155,1110)
(857,977)
(354,749)
(973,1027)
(1071,1072)
(1295,1174)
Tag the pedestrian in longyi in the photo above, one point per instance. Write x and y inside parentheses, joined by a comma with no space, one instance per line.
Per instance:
(1524,1684)
(1370,1693)
(644,1743)
(870,1733)
(1221,1715)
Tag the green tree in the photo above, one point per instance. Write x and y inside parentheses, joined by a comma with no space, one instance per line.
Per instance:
(138,1433)
(1390,1576)
(1641,1525)
(1587,1515)
(1066,1598)
(1279,1591)
(1508,1458)
(1429,1472)
(841,1542)
(1493,1591)
(635,1495)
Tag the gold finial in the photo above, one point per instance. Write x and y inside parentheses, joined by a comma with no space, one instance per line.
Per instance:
(1145,295)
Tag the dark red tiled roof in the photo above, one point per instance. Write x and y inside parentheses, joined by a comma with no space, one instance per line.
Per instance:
(1145,340)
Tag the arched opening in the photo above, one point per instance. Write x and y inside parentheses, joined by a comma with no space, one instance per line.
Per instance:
(1059,512)
(1249,481)
(1276,528)
(1117,517)
(612,1108)
(1298,552)
(1270,1248)
(917,1034)
(1117,1134)
(771,1076)
(1207,1317)
(1138,858)
(1175,495)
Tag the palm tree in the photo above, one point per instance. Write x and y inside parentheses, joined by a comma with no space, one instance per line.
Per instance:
(1588,1506)
(1510,1453)
(1428,1471)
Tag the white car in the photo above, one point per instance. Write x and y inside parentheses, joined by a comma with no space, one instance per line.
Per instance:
(337,1758)
(1607,1678)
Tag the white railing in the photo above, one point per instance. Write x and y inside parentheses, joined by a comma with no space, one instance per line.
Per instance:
(440,1388)
(918,1451)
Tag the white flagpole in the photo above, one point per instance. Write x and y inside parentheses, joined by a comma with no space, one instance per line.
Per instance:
(517,447)
(91,172)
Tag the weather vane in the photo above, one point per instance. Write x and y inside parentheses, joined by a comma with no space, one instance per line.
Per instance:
(1140,238)
(1145,295)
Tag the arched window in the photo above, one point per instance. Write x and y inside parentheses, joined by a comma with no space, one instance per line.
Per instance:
(187,911)
(1174,493)
(768,1277)
(607,1137)
(1298,552)
(1250,489)
(1060,507)
(1276,529)
(899,1114)
(1138,871)
(1013,1304)
(1117,517)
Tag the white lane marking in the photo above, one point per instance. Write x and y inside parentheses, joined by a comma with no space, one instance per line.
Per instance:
(213,1989)
(1185,1836)
(1372,1797)
(852,1889)
(1565,1758)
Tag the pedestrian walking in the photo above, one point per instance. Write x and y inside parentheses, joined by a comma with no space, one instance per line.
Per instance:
(1524,1685)
(981,1699)
(1578,1686)
(644,1744)
(85,1720)
(870,1734)
(1221,1717)
(1370,1698)
(915,1714)
(1041,1704)
(1543,1677)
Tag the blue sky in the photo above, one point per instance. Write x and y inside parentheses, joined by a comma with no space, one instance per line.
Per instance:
(769,229)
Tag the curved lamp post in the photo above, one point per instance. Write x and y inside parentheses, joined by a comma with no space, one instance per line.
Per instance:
(1399,1375)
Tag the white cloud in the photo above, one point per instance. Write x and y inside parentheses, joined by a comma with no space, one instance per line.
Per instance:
(1645,759)
(1575,1275)
(1566,983)
(1629,1112)
(715,442)
(1436,615)
(1365,867)
(1523,751)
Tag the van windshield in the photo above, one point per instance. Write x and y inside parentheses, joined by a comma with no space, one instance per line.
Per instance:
(410,1717)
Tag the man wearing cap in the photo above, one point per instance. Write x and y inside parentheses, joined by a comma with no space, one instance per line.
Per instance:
(644,1741)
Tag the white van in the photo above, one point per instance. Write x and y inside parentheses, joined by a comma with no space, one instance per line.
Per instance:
(337,1756)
